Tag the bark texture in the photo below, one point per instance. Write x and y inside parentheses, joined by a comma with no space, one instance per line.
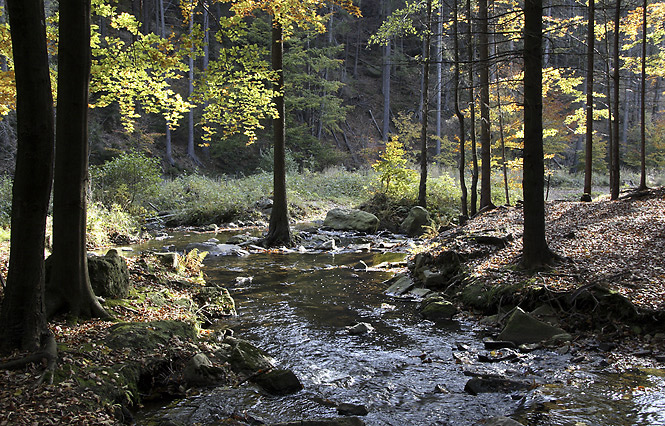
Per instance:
(69,289)
(22,312)
(278,229)
(535,251)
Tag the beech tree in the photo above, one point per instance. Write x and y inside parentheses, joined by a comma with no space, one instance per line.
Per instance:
(458,112)
(69,284)
(588,163)
(284,14)
(22,311)
(614,146)
(485,141)
(535,252)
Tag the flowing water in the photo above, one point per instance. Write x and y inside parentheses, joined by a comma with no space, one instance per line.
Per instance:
(407,371)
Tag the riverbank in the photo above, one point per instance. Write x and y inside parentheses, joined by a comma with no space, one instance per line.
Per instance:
(612,246)
(610,280)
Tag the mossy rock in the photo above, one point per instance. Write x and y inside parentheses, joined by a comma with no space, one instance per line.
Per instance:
(246,358)
(109,275)
(150,335)
(215,302)
(440,310)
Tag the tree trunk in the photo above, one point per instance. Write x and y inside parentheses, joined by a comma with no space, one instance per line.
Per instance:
(69,288)
(422,188)
(278,229)
(22,312)
(190,134)
(588,158)
(614,176)
(643,106)
(439,78)
(535,252)
(386,85)
(485,141)
(206,60)
(504,166)
(472,114)
(458,113)
(168,143)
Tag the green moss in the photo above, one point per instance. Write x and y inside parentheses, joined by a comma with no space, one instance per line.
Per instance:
(488,297)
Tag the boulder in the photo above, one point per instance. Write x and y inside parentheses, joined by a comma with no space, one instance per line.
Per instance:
(346,409)
(200,371)
(522,328)
(147,335)
(415,222)
(215,302)
(433,279)
(360,328)
(215,249)
(491,384)
(439,311)
(343,219)
(170,260)
(109,275)
(399,285)
(246,358)
(279,382)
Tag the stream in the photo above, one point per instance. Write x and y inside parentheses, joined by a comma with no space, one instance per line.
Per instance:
(407,371)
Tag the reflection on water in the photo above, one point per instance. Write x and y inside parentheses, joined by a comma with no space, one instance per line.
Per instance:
(296,308)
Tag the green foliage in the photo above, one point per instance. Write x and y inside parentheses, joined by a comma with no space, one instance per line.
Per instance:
(136,72)
(200,200)
(129,180)
(234,90)
(394,174)
(266,161)
(311,91)
(105,225)
(655,144)
(5,200)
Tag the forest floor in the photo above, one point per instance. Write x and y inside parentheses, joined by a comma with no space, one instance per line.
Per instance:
(620,245)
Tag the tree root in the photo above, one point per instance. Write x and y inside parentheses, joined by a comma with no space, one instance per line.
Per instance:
(47,356)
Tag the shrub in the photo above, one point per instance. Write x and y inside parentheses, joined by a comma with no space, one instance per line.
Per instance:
(5,200)
(129,180)
(107,226)
(393,170)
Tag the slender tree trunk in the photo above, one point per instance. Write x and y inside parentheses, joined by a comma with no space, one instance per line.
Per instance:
(472,113)
(422,188)
(485,141)
(615,177)
(278,230)
(458,113)
(168,143)
(588,160)
(643,105)
(503,142)
(359,27)
(535,252)
(69,289)
(22,311)
(439,77)
(610,110)
(386,85)
(190,134)
(206,60)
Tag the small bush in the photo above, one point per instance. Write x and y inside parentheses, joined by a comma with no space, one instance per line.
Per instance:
(5,200)
(106,226)
(129,181)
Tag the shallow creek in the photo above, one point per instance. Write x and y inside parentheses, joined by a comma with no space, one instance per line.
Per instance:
(407,371)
